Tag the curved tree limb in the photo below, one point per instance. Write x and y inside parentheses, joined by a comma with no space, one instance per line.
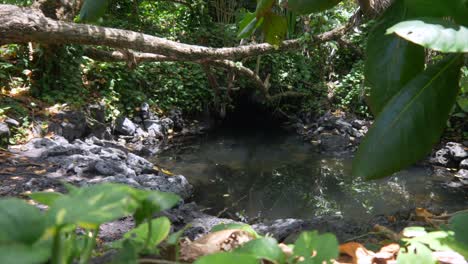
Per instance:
(138,57)
(22,25)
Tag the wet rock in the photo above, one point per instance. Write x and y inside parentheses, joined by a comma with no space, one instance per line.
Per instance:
(12,122)
(69,124)
(167,123)
(457,151)
(462,175)
(442,157)
(175,184)
(154,128)
(176,116)
(464,164)
(125,126)
(280,228)
(358,124)
(113,167)
(333,143)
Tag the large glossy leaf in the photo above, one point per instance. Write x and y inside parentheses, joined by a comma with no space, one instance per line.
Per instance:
(227,258)
(24,254)
(458,9)
(263,248)
(311,6)
(275,28)
(92,206)
(435,34)
(391,61)
(92,10)
(20,222)
(411,123)
(315,248)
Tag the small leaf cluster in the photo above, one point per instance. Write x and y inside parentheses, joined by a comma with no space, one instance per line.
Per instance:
(28,235)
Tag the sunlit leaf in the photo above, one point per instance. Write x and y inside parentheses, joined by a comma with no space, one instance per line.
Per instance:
(160,228)
(391,61)
(248,25)
(415,253)
(411,123)
(435,34)
(20,222)
(151,202)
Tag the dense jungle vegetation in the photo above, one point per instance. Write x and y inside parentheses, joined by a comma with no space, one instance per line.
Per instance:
(400,63)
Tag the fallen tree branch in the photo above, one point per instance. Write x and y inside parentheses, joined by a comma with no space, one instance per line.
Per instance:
(22,25)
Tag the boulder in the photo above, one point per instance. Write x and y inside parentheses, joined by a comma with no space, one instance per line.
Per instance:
(442,157)
(69,124)
(125,126)
(154,128)
(457,151)
(462,175)
(175,184)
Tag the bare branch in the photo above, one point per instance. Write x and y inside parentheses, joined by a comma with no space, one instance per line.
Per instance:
(22,25)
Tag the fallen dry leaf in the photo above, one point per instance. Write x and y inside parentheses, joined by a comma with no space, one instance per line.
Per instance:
(423,214)
(449,257)
(224,240)
(358,253)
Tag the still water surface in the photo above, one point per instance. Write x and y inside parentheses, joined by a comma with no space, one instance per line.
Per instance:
(275,175)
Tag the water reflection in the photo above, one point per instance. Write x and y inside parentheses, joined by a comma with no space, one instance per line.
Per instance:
(272,175)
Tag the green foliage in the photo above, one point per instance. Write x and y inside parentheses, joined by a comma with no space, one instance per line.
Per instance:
(263,248)
(244,227)
(316,248)
(274,27)
(410,121)
(391,61)
(311,6)
(427,32)
(30,236)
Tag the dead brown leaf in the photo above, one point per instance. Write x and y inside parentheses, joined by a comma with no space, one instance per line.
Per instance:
(358,253)
(224,240)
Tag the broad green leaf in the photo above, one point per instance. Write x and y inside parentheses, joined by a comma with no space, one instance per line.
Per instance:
(24,254)
(435,34)
(316,248)
(414,231)
(442,241)
(411,123)
(263,248)
(416,253)
(92,10)
(20,222)
(263,7)
(151,202)
(159,231)
(458,9)
(311,6)
(391,61)
(245,227)
(459,225)
(128,254)
(93,206)
(227,258)
(46,198)
(248,25)
(275,28)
